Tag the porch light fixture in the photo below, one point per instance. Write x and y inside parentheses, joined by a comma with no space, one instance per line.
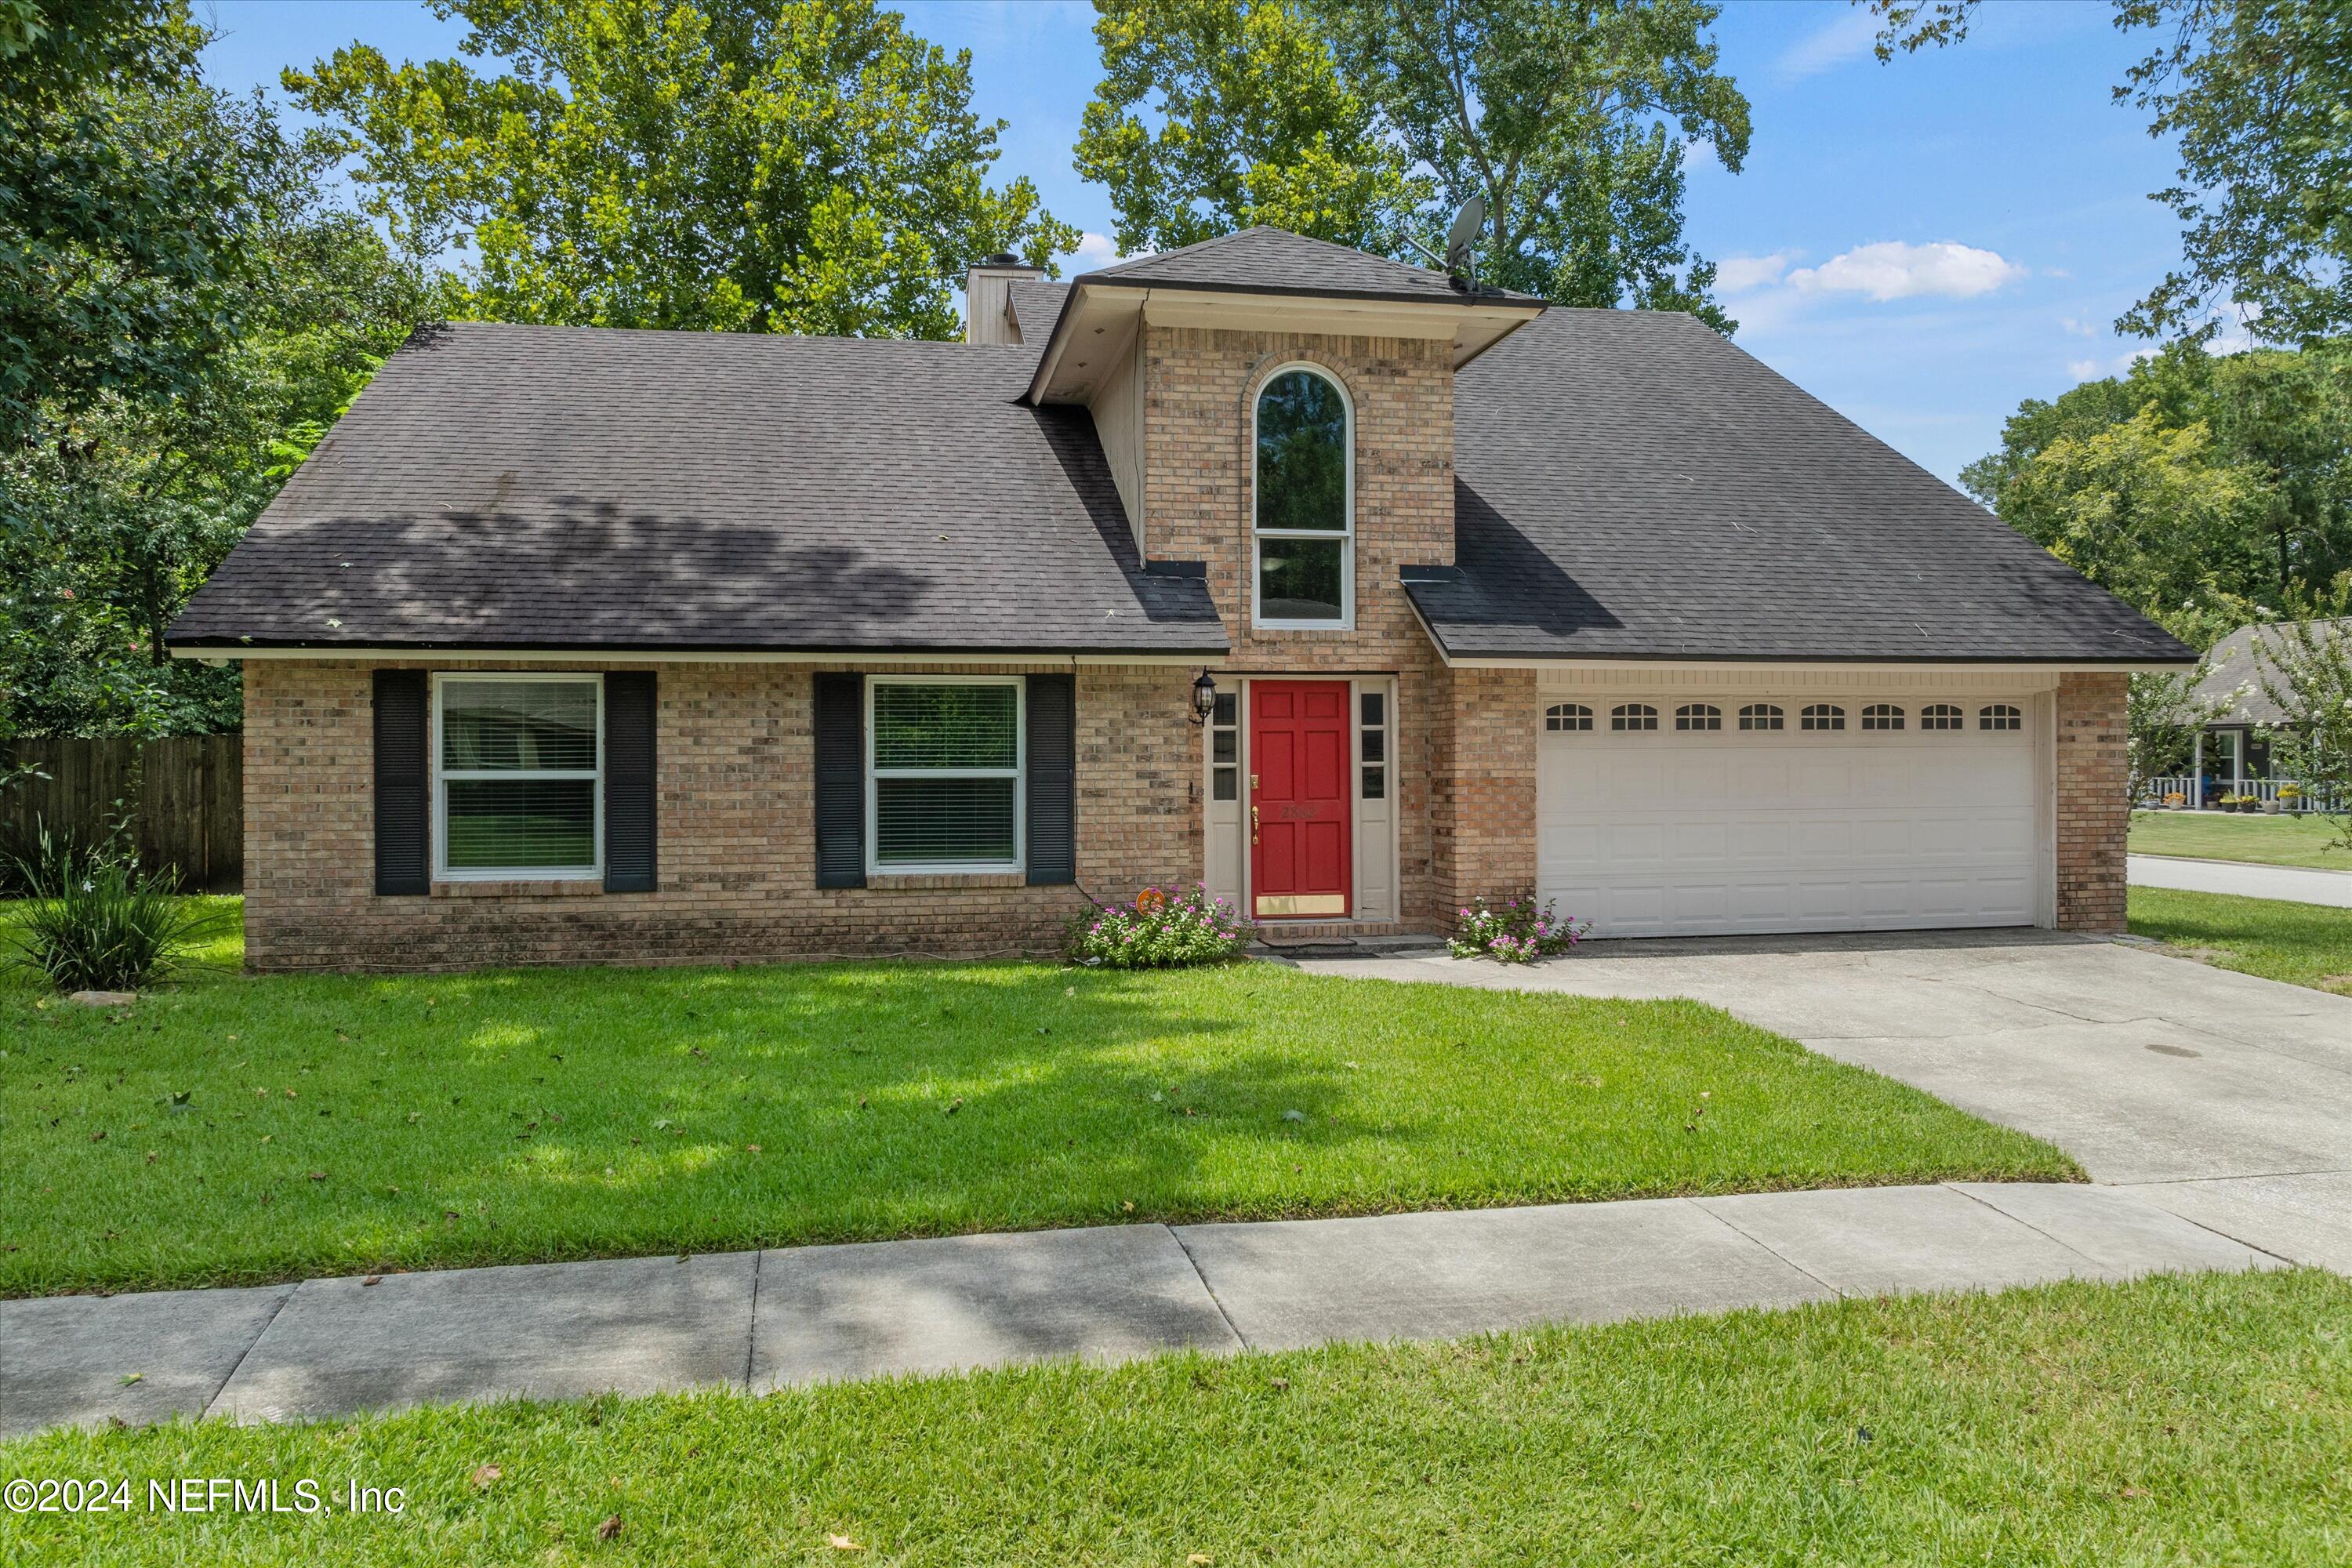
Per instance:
(1204,699)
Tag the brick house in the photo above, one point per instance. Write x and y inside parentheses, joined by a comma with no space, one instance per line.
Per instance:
(578,645)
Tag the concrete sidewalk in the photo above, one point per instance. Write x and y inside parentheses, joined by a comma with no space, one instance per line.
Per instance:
(2296,884)
(760,1320)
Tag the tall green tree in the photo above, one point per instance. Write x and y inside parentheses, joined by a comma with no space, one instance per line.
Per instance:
(2206,489)
(803,166)
(121,248)
(112,524)
(1571,119)
(2256,92)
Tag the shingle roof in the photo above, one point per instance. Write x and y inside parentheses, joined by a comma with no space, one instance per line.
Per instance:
(1035,307)
(2234,673)
(1265,260)
(1629,485)
(558,486)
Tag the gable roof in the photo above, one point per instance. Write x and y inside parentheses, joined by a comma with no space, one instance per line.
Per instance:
(1628,485)
(2234,671)
(1267,260)
(1036,306)
(525,487)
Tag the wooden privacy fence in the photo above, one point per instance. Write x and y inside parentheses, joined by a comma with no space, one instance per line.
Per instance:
(184,798)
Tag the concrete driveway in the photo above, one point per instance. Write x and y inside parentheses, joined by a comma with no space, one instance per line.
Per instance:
(2221,1097)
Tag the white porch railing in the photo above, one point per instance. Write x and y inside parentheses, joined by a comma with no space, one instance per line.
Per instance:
(2186,788)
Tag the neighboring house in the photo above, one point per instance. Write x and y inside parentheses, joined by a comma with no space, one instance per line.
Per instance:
(2234,751)
(582,644)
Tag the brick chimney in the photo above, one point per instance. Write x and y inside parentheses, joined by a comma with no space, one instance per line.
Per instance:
(988,297)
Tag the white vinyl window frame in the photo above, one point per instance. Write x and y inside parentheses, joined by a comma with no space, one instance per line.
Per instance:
(442,682)
(1018,772)
(1346,537)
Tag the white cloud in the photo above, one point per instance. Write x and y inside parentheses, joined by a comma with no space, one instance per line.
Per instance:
(1895,270)
(2079,327)
(1847,38)
(2084,369)
(1738,274)
(1096,250)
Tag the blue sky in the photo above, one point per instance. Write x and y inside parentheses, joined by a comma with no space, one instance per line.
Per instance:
(1921,243)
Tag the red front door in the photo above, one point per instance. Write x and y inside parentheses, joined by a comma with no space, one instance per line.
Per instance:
(1300,862)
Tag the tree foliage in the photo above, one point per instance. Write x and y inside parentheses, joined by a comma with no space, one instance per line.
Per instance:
(121,243)
(2256,93)
(809,166)
(2206,489)
(113,522)
(2306,666)
(1570,118)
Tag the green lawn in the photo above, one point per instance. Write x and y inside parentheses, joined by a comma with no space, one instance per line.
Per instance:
(2175,1421)
(343,1124)
(2304,944)
(2219,836)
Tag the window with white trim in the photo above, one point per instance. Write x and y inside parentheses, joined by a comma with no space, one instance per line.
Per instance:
(1940,716)
(1698,716)
(2000,716)
(1373,710)
(1567,716)
(1760,716)
(1225,747)
(1822,715)
(1881,716)
(517,776)
(943,773)
(1306,503)
(1633,716)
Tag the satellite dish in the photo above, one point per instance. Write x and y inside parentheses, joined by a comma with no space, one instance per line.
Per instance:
(1467,225)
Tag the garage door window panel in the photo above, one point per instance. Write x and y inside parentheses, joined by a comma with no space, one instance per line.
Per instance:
(1632,717)
(1822,715)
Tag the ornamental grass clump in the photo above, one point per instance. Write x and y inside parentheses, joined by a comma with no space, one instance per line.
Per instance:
(1519,932)
(1160,930)
(95,922)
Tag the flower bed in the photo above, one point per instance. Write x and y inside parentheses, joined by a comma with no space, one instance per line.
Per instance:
(1519,932)
(1162,929)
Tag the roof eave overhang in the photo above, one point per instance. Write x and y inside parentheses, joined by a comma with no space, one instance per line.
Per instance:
(1098,320)
(607,653)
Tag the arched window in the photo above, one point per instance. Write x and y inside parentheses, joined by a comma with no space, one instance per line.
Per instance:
(1567,716)
(1822,715)
(1881,716)
(1698,716)
(2000,716)
(1633,716)
(1939,716)
(1306,501)
(1760,716)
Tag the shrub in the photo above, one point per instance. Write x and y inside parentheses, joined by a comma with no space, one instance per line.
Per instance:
(1161,930)
(1519,932)
(95,922)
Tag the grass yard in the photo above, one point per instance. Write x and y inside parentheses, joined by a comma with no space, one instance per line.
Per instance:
(2219,836)
(2304,944)
(340,1124)
(2177,1420)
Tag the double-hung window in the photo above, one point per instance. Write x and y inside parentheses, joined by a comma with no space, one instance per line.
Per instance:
(944,773)
(1306,503)
(517,788)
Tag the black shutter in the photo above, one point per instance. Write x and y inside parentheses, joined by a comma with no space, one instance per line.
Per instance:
(840,702)
(1053,780)
(403,836)
(629,838)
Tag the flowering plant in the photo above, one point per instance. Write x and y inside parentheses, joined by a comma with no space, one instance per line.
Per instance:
(1164,930)
(1519,932)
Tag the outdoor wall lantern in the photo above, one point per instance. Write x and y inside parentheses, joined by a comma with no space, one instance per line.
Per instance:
(1204,699)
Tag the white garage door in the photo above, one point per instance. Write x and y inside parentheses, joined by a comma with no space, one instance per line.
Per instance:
(1691,830)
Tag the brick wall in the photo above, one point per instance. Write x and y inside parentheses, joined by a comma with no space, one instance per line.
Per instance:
(1483,795)
(2094,808)
(1200,387)
(737,836)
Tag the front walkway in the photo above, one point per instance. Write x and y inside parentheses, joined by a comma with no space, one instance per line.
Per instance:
(760,1320)
(2296,884)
